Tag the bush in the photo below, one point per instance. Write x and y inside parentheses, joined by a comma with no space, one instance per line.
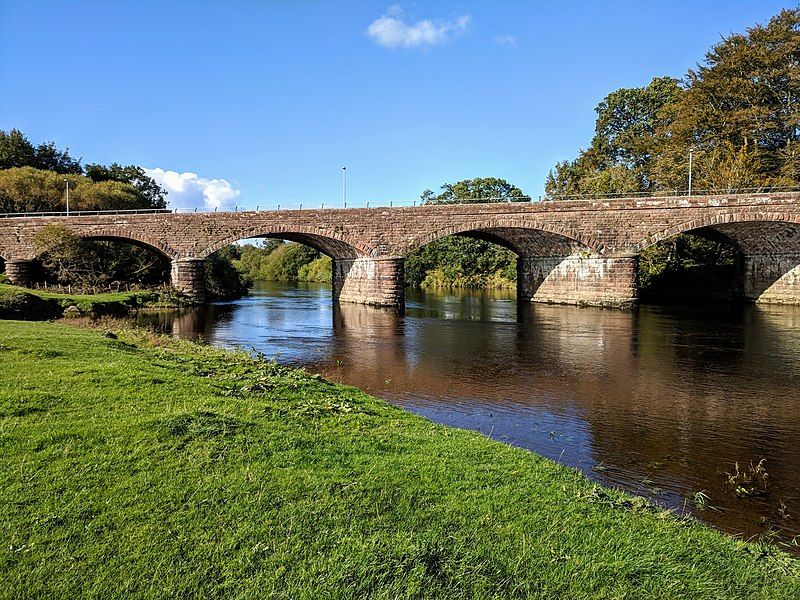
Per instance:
(319,270)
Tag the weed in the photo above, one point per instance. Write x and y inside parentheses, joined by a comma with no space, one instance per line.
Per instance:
(701,501)
(750,483)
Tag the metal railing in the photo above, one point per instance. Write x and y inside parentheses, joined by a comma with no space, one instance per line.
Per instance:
(63,213)
(413,203)
(676,193)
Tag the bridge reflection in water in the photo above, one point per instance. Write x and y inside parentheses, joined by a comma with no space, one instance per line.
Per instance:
(660,401)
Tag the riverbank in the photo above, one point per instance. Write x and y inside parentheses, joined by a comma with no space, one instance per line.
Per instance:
(137,465)
(37,305)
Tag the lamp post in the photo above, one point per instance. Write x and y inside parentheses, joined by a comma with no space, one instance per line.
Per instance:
(691,152)
(344,186)
(66,183)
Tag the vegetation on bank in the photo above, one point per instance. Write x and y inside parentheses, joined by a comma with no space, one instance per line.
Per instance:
(38,305)
(135,466)
(276,260)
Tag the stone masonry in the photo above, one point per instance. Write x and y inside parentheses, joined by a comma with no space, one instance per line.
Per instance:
(577,252)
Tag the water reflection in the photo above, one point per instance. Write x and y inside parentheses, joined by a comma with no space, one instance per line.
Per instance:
(660,401)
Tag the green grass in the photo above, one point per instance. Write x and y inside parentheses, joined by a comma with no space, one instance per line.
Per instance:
(23,303)
(147,467)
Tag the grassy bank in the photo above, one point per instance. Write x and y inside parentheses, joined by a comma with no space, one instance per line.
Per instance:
(147,467)
(36,305)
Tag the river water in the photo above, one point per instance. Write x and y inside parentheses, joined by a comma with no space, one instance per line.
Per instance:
(662,402)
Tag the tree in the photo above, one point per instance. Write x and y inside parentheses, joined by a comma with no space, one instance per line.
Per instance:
(61,253)
(477,190)
(17,151)
(741,105)
(618,159)
(223,280)
(152,194)
(25,189)
(66,258)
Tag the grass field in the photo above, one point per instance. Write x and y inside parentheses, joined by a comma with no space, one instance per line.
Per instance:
(136,466)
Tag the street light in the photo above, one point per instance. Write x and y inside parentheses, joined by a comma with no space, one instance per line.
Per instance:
(691,152)
(66,182)
(344,186)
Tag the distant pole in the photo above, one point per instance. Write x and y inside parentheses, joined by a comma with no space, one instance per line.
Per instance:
(344,187)
(66,182)
(691,151)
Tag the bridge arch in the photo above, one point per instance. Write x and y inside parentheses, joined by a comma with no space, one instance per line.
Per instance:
(122,235)
(332,244)
(357,275)
(768,244)
(521,236)
(726,221)
(555,264)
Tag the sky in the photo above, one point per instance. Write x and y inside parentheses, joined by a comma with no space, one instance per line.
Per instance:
(263,103)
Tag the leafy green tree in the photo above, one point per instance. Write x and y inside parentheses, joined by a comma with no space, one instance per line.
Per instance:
(477,190)
(25,189)
(17,151)
(318,270)
(66,258)
(152,194)
(223,280)
(619,157)
(741,106)
(277,260)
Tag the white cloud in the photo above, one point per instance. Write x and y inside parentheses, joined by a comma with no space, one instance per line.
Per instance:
(505,40)
(188,190)
(392,31)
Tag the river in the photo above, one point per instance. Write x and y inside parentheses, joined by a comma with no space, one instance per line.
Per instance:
(662,402)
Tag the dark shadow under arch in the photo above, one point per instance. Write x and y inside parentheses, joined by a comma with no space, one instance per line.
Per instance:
(760,256)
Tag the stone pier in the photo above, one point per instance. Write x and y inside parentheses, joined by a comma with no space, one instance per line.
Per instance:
(579,280)
(374,281)
(19,271)
(188,276)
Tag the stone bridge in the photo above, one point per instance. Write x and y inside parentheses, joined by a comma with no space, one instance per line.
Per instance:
(574,252)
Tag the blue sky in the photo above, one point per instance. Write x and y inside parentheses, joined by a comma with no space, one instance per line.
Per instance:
(259,103)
